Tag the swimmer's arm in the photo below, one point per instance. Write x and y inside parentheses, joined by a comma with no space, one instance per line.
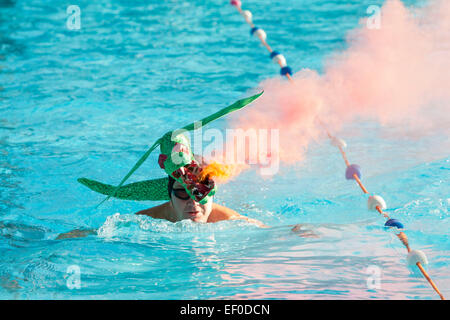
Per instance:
(254,221)
(220,213)
(77,233)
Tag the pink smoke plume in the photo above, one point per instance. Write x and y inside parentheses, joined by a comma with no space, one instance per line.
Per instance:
(395,74)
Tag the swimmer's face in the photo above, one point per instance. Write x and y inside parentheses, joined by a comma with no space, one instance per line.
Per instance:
(189,209)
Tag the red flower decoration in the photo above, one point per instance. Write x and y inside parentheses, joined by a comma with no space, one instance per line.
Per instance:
(161,159)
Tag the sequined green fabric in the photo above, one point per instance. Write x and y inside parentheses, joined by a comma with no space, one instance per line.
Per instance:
(154,190)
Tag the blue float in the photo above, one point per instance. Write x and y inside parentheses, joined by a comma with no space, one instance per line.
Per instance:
(253,30)
(274,54)
(286,70)
(394,223)
(351,170)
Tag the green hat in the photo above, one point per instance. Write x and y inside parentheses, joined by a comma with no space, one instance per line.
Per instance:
(176,159)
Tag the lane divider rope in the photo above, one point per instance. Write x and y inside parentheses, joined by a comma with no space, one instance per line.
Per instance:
(353,171)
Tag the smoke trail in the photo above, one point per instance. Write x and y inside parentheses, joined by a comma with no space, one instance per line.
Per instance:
(398,74)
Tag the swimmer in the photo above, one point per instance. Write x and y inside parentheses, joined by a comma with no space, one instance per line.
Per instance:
(180,207)
(189,191)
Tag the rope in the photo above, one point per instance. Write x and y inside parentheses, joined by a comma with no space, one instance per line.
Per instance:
(353,170)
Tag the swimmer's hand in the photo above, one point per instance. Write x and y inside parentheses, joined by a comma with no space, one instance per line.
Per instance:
(77,233)
(254,221)
(220,213)
(304,232)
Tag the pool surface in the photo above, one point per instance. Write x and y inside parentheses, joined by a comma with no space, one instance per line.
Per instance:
(89,102)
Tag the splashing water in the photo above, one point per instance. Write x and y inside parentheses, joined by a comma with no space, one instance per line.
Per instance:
(88,103)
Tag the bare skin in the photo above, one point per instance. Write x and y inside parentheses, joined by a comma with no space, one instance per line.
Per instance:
(218,213)
(77,233)
(176,210)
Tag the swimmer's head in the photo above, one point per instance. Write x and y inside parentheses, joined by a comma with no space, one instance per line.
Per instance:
(178,161)
(184,207)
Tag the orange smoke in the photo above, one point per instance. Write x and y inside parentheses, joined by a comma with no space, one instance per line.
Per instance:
(219,172)
(398,75)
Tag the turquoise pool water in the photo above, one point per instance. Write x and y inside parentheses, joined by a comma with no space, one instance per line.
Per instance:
(89,102)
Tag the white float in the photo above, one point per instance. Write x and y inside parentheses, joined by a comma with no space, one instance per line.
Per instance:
(280,59)
(247,16)
(376,201)
(337,142)
(415,256)
(260,33)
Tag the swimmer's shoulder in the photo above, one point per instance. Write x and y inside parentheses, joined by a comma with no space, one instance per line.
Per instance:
(220,213)
(158,212)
